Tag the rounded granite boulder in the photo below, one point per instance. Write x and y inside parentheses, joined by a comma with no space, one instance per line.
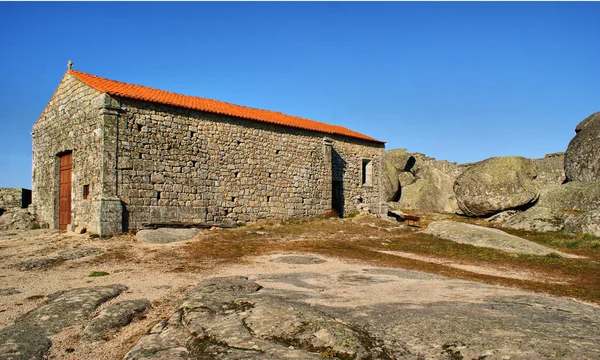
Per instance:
(496,184)
(582,159)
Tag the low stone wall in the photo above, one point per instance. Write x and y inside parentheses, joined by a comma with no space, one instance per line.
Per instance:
(14,198)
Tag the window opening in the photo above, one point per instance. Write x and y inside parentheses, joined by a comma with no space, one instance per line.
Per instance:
(367,172)
(86,191)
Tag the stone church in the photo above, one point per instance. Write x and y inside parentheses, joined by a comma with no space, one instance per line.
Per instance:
(111,156)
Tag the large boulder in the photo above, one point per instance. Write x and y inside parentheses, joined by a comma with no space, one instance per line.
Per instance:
(570,207)
(399,158)
(577,196)
(582,159)
(390,181)
(495,185)
(433,193)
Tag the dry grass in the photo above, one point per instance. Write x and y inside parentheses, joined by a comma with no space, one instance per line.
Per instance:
(362,238)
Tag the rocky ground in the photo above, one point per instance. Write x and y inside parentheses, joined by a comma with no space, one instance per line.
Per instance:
(332,288)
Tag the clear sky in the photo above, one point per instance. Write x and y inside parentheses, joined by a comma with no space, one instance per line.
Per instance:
(457,81)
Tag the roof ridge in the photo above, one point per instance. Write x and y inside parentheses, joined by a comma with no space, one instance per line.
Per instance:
(146,93)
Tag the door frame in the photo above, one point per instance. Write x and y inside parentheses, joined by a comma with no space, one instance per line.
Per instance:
(64,203)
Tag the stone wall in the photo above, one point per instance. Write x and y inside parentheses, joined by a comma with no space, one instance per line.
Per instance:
(14,198)
(184,165)
(70,122)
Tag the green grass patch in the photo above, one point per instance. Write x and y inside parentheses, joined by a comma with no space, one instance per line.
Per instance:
(97,273)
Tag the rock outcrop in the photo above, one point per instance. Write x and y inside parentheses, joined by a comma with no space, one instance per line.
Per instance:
(227,318)
(577,196)
(487,237)
(425,183)
(166,235)
(390,181)
(550,169)
(114,317)
(537,218)
(585,223)
(582,159)
(495,185)
(28,338)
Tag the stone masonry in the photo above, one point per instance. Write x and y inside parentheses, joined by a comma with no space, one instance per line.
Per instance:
(146,162)
(14,198)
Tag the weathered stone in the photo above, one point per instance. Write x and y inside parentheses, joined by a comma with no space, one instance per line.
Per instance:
(586,223)
(114,317)
(390,182)
(166,235)
(550,170)
(36,263)
(14,198)
(80,230)
(582,159)
(16,219)
(28,339)
(78,253)
(399,158)
(537,218)
(67,308)
(495,185)
(231,320)
(9,291)
(487,237)
(19,342)
(503,216)
(434,195)
(406,178)
(295,259)
(578,196)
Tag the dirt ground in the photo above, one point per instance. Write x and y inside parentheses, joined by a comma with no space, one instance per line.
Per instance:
(353,250)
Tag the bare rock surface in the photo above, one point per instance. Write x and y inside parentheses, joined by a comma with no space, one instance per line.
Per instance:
(71,254)
(495,185)
(487,237)
(368,314)
(9,291)
(298,259)
(537,218)
(586,223)
(166,235)
(425,183)
(390,181)
(16,219)
(27,338)
(550,169)
(114,317)
(582,159)
(574,195)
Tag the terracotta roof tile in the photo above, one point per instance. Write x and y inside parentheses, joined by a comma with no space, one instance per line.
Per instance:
(145,93)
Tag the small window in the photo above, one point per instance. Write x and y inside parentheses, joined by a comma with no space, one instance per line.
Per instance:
(367,172)
(86,191)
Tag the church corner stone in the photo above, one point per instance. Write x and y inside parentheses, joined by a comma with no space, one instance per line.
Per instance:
(137,162)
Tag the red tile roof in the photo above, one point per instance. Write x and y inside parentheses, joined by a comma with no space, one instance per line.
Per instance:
(144,93)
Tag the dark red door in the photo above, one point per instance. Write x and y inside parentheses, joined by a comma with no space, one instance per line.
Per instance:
(65,191)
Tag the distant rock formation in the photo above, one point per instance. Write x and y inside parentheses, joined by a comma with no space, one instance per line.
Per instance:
(582,159)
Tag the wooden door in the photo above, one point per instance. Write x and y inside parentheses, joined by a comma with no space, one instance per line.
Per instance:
(64,208)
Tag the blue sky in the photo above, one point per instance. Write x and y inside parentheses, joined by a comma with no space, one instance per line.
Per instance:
(458,81)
